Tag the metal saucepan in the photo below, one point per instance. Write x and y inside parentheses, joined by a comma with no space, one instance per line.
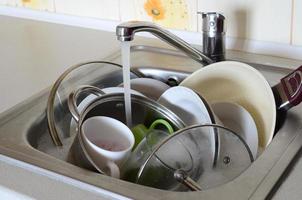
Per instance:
(242,84)
(144,111)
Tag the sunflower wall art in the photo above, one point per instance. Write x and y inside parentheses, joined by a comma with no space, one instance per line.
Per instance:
(38,4)
(176,14)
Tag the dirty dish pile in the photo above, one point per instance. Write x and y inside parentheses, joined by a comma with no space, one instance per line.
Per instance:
(195,136)
(177,110)
(159,150)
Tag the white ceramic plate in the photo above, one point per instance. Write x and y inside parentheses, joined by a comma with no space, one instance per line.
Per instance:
(90,98)
(242,84)
(191,108)
(239,120)
(188,105)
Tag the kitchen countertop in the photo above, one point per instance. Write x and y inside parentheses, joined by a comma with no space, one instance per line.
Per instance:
(33,55)
(19,180)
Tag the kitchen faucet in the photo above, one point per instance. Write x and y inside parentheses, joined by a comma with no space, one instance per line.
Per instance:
(127,30)
(213,37)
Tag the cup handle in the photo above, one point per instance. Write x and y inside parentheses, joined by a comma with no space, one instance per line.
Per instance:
(113,169)
(162,122)
(73,96)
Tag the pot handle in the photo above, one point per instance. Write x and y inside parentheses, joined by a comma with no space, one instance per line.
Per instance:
(182,177)
(73,96)
(289,90)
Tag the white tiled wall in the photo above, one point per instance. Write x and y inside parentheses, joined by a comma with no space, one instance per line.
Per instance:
(8,2)
(37,4)
(277,21)
(265,20)
(297,23)
(127,10)
(108,9)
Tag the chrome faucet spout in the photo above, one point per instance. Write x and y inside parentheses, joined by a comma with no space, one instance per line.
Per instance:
(126,32)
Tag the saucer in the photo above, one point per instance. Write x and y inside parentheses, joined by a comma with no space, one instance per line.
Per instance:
(192,109)
(239,120)
(188,105)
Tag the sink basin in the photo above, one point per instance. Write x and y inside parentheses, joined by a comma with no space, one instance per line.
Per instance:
(24,136)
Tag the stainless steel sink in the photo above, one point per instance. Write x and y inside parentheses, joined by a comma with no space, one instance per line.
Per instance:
(24,136)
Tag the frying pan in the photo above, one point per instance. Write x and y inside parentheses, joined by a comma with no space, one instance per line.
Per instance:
(240,83)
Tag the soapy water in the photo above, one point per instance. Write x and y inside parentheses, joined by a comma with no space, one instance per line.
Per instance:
(125,48)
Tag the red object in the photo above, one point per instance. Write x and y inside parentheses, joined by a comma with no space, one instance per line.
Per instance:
(292,86)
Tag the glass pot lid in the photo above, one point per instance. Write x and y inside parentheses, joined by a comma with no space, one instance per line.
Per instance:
(190,150)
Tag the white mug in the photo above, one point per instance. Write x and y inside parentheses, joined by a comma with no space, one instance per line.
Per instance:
(108,142)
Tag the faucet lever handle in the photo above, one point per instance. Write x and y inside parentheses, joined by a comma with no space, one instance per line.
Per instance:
(213,32)
(213,22)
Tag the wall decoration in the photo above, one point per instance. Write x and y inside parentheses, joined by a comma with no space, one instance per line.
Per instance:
(175,14)
(37,4)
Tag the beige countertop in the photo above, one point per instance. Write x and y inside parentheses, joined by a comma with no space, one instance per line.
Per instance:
(33,54)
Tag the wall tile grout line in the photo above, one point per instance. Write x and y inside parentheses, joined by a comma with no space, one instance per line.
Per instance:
(292,22)
(119,10)
(54,6)
(198,21)
(196,16)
